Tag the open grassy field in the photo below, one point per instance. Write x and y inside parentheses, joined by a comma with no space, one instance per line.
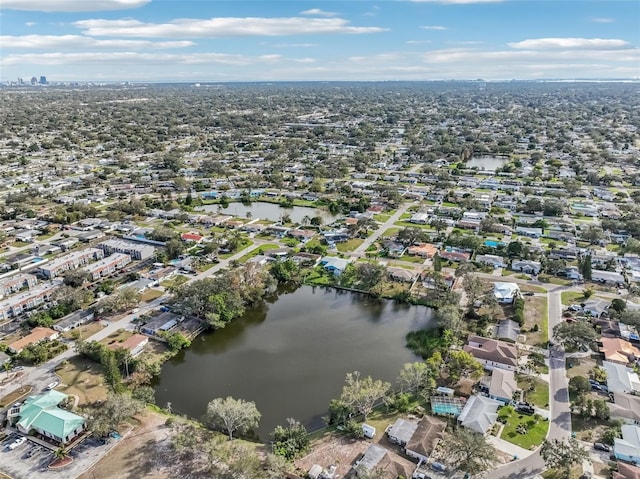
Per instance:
(536,312)
(151,294)
(83,378)
(571,297)
(349,245)
(540,394)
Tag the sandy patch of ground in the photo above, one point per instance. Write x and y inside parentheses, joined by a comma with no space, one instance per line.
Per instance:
(134,457)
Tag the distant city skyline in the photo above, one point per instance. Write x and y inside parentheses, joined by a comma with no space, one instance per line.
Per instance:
(203,41)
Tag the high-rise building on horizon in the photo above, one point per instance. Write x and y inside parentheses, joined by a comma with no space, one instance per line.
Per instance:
(43,80)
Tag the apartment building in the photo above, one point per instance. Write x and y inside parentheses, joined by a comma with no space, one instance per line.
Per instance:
(70,261)
(15,283)
(135,250)
(108,265)
(15,305)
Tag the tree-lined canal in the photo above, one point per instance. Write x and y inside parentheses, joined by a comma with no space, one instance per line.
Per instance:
(291,354)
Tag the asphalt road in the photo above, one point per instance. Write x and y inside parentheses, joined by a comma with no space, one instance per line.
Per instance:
(559,413)
(381,229)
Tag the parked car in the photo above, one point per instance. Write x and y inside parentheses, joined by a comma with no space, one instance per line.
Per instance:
(528,293)
(598,446)
(525,409)
(17,443)
(437,466)
(52,385)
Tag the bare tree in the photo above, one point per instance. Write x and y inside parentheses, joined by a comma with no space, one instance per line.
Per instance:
(233,415)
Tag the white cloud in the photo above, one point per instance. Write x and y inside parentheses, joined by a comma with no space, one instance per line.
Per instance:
(75,42)
(457,2)
(137,58)
(71,5)
(433,27)
(318,13)
(603,20)
(570,43)
(295,45)
(221,27)
(30,24)
(418,42)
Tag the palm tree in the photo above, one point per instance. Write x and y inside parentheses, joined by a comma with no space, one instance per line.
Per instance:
(306,220)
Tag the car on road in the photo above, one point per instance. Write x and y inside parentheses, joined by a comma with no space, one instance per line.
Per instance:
(598,446)
(135,310)
(17,443)
(52,385)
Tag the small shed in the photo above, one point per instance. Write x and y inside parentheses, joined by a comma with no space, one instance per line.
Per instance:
(315,471)
(368,431)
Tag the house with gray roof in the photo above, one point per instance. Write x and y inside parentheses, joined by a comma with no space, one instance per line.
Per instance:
(479,414)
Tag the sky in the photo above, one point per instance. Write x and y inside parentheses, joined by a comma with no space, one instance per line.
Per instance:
(290,40)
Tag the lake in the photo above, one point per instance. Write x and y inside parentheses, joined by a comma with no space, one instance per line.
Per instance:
(291,355)
(488,163)
(271,211)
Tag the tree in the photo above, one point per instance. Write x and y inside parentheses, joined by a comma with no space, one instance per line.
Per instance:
(579,385)
(418,376)
(462,364)
(368,275)
(76,278)
(174,247)
(116,409)
(233,415)
(618,305)
(593,234)
(585,267)
(176,340)
(285,271)
(411,235)
(560,455)
(469,451)
(473,287)
(449,317)
(574,336)
(291,440)
(110,370)
(363,394)
(437,262)
(144,394)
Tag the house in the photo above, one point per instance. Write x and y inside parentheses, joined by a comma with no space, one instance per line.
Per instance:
(530,232)
(376,457)
(73,320)
(191,237)
(393,248)
(302,235)
(626,471)
(625,407)
(508,330)
(526,266)
(15,283)
(135,250)
(37,335)
(607,277)
(425,250)
(619,351)
(627,448)
(505,293)
(479,414)
(134,344)
(492,353)
(502,386)
(455,256)
(491,260)
(401,431)
(425,438)
(42,414)
(621,378)
(596,307)
(402,275)
(608,328)
(334,265)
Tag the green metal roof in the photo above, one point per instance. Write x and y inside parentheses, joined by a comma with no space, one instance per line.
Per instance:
(42,412)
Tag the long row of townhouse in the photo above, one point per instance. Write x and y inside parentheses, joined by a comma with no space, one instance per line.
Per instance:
(15,283)
(15,305)
(71,261)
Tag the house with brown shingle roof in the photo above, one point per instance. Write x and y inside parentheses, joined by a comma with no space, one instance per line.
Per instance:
(425,250)
(492,353)
(37,335)
(626,471)
(425,438)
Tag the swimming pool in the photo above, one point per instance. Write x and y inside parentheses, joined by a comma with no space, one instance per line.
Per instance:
(493,244)
(444,409)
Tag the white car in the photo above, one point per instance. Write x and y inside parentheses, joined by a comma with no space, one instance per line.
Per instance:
(52,385)
(17,443)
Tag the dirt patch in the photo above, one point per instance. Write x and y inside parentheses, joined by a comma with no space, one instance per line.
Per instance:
(136,455)
(16,395)
(82,378)
(536,313)
(579,367)
(333,449)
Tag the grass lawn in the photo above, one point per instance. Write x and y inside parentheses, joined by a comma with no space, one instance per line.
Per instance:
(545,278)
(117,337)
(15,396)
(84,331)
(154,351)
(539,396)
(412,259)
(316,278)
(571,297)
(574,473)
(536,312)
(349,245)
(175,281)
(381,217)
(151,294)
(83,378)
(390,232)
(532,288)
(258,251)
(19,244)
(536,429)
(406,224)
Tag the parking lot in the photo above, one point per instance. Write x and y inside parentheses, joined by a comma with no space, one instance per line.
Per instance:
(30,460)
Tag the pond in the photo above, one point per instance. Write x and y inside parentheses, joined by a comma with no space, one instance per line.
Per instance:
(291,355)
(488,163)
(271,211)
